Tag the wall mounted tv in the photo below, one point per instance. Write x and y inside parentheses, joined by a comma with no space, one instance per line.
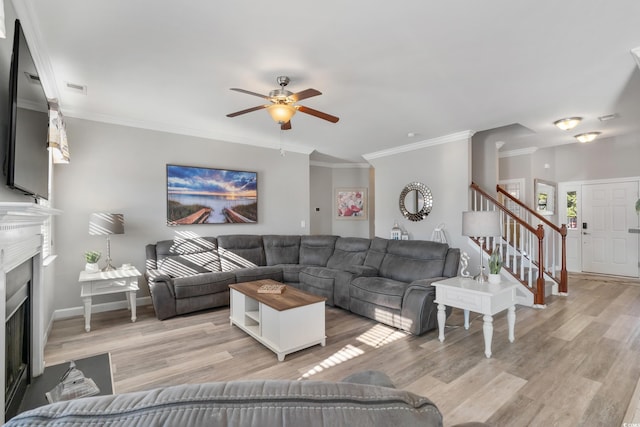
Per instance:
(26,164)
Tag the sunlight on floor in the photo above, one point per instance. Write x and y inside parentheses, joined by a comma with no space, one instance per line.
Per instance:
(344,354)
(381,335)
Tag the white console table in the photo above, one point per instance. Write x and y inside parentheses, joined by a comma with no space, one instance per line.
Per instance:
(485,298)
(108,282)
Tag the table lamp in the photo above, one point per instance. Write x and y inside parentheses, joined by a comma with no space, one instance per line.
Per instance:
(481,224)
(106,224)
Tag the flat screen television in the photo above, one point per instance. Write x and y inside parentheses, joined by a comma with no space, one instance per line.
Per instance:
(26,165)
(197,195)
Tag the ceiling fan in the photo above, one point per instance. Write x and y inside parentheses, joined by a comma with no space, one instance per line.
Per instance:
(283,104)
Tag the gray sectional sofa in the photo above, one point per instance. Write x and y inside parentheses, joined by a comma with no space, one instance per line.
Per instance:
(385,280)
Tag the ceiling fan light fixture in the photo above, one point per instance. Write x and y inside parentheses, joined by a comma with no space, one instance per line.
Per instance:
(281,113)
(587,137)
(568,123)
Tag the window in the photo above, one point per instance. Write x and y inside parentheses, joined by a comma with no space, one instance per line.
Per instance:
(572,209)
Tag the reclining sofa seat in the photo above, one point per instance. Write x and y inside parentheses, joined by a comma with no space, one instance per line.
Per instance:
(401,294)
(385,280)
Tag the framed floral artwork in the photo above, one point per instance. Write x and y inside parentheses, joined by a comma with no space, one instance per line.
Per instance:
(351,203)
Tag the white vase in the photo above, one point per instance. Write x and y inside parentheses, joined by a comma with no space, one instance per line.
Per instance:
(91,267)
(494,278)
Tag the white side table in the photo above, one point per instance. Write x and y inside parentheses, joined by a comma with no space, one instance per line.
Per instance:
(108,282)
(484,298)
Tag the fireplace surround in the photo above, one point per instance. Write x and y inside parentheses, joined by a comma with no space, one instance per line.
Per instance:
(21,241)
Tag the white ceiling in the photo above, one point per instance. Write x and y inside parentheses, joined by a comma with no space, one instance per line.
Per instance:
(387,69)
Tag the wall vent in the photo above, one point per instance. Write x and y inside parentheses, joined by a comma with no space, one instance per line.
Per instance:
(77,88)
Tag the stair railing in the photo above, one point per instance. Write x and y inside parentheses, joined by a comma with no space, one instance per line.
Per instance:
(522,245)
(555,242)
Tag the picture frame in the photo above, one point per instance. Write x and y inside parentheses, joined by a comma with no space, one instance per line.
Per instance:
(203,195)
(351,203)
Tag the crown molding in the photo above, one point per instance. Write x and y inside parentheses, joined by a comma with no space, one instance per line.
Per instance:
(340,165)
(520,152)
(467,134)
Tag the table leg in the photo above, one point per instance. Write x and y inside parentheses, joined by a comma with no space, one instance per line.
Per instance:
(87,313)
(466,319)
(487,330)
(442,317)
(511,320)
(132,305)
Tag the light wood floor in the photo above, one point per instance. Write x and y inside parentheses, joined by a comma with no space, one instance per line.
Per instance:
(575,363)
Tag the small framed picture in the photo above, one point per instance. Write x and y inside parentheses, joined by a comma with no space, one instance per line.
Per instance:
(351,203)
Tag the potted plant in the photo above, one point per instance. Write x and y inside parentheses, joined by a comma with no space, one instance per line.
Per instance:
(92,257)
(495,264)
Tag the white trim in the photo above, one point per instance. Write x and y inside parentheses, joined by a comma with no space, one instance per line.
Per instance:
(340,165)
(602,181)
(520,152)
(467,134)
(66,313)
(635,52)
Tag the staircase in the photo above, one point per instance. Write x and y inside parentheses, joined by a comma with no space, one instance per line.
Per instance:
(533,249)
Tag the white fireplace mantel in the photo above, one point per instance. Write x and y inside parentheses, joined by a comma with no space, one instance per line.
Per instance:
(21,240)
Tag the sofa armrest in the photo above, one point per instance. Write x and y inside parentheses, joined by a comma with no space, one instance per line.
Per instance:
(418,303)
(162,294)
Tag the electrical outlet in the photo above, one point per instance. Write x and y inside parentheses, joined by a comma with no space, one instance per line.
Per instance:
(303,224)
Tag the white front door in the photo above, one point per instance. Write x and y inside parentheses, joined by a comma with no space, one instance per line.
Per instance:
(608,211)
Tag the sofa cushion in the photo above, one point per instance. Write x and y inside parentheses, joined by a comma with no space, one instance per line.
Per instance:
(244,403)
(185,257)
(376,253)
(291,272)
(240,251)
(409,260)
(318,281)
(281,249)
(202,284)
(316,250)
(379,291)
(258,273)
(349,251)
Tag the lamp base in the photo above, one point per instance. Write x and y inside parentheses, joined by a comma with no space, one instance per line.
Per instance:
(481,278)
(109,266)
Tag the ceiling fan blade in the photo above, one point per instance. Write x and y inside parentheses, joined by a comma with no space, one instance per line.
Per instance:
(248,92)
(248,110)
(304,94)
(286,126)
(320,114)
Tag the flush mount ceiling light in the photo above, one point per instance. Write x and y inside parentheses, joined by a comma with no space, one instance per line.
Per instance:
(568,123)
(587,137)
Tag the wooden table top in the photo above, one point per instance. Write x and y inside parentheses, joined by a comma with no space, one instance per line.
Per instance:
(289,298)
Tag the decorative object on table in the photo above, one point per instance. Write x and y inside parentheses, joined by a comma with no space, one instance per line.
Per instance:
(396,232)
(438,234)
(271,288)
(351,203)
(480,225)
(404,235)
(106,224)
(416,201)
(72,385)
(92,258)
(464,264)
(197,195)
(495,264)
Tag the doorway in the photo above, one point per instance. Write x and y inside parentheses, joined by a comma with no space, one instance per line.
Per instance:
(599,215)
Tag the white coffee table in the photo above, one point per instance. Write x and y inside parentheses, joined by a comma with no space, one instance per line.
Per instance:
(108,282)
(284,323)
(484,298)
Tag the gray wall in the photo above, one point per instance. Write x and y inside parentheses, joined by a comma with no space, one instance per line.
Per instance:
(606,158)
(321,184)
(445,169)
(484,163)
(123,170)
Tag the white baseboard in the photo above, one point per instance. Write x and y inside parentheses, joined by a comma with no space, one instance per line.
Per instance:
(96,308)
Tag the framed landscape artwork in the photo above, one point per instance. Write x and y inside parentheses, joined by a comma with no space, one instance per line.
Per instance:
(351,203)
(199,195)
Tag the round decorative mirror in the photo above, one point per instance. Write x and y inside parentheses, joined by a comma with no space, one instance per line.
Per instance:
(415,201)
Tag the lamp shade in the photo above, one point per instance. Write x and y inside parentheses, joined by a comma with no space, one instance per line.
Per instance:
(102,223)
(281,113)
(481,223)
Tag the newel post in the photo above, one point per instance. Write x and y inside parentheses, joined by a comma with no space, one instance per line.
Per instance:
(539,295)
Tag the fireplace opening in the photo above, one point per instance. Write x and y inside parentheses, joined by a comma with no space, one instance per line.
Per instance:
(17,336)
